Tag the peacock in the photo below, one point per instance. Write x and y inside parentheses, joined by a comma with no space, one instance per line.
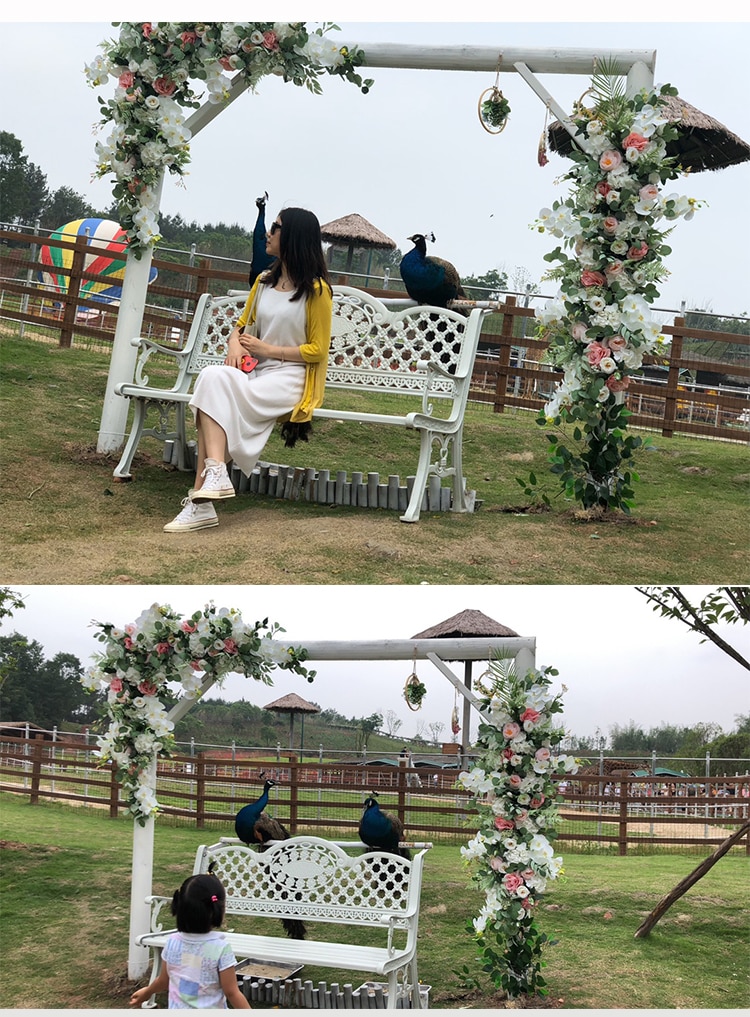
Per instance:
(253,826)
(381,831)
(260,260)
(429,280)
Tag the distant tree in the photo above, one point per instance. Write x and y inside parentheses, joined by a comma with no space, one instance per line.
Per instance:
(65,205)
(725,604)
(23,186)
(367,727)
(435,729)
(628,739)
(43,692)
(392,723)
(489,286)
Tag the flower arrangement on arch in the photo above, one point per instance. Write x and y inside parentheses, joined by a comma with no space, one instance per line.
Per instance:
(160,648)
(155,64)
(599,324)
(515,796)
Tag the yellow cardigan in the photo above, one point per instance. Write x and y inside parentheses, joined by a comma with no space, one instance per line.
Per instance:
(318,314)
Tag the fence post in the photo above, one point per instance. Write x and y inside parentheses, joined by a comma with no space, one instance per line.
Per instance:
(673,377)
(622,832)
(71,298)
(36,770)
(114,791)
(200,794)
(293,794)
(402,786)
(503,362)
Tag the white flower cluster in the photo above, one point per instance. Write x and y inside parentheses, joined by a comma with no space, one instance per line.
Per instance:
(515,797)
(599,323)
(160,649)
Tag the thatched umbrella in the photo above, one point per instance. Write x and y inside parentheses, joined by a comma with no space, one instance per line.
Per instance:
(293,704)
(354,231)
(703,143)
(464,625)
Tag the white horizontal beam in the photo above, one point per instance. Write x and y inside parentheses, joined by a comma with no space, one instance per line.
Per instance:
(487,58)
(481,648)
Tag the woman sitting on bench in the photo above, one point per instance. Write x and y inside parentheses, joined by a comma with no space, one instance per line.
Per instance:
(275,367)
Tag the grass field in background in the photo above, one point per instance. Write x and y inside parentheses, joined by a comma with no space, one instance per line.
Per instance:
(64,921)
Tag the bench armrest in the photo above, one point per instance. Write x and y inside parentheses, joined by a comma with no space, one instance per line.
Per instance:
(157,903)
(147,348)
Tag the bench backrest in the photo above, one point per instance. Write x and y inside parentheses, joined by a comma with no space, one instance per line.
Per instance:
(314,879)
(372,347)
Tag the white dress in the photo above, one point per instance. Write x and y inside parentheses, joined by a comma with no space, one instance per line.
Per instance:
(247,406)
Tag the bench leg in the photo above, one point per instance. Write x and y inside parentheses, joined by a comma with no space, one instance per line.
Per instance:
(420,480)
(460,501)
(126,459)
(151,1003)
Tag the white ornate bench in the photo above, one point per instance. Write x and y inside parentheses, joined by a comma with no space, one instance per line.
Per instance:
(423,352)
(315,881)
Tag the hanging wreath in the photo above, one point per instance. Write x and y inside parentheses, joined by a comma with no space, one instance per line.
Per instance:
(414,691)
(494,110)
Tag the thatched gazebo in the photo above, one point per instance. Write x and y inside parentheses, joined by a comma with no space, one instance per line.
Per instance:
(355,233)
(293,704)
(466,624)
(703,143)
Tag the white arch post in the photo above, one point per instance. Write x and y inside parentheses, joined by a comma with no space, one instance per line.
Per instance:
(638,64)
(437,651)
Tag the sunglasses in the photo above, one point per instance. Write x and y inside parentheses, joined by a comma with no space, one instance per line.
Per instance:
(274,227)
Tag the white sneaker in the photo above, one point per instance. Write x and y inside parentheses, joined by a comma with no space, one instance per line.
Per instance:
(193,517)
(216,482)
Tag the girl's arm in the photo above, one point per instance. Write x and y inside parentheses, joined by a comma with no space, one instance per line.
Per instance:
(159,984)
(231,989)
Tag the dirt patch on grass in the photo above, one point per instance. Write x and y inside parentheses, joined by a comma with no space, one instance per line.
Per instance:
(14,845)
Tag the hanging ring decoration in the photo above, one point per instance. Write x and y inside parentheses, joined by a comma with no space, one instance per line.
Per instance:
(485,683)
(541,153)
(414,690)
(493,108)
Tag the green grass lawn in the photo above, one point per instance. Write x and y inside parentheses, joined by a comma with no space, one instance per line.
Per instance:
(68,521)
(64,920)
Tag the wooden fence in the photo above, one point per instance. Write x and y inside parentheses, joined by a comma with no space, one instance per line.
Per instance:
(621,815)
(509,373)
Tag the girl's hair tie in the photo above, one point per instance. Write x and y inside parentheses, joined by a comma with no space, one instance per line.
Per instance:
(214,899)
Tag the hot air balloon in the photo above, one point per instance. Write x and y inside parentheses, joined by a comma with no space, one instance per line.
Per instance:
(107,241)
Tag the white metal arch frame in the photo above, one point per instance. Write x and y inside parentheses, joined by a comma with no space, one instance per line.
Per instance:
(437,651)
(637,65)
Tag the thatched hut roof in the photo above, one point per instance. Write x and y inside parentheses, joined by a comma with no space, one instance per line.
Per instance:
(464,625)
(292,704)
(704,143)
(355,230)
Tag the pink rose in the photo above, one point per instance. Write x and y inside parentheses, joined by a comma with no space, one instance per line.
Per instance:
(515,780)
(164,86)
(529,714)
(542,754)
(147,688)
(617,342)
(116,685)
(126,79)
(147,29)
(503,824)
(497,864)
(163,648)
(636,141)
(270,40)
(617,384)
(589,278)
(128,643)
(508,753)
(613,270)
(512,881)
(578,331)
(537,802)
(610,224)
(226,63)
(610,160)
(638,251)
(511,730)
(649,192)
(188,626)
(230,646)
(594,353)
(196,665)
(603,188)
(188,38)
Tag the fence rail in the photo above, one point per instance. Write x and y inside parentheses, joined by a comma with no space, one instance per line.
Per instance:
(510,371)
(621,815)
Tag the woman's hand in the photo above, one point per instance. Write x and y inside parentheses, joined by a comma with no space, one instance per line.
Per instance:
(235,350)
(254,346)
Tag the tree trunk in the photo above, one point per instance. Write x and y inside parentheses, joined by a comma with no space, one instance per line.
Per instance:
(684,885)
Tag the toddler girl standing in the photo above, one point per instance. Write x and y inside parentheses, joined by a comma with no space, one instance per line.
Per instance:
(197,961)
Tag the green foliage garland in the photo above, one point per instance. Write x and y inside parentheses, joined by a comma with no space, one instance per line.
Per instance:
(160,648)
(514,796)
(154,64)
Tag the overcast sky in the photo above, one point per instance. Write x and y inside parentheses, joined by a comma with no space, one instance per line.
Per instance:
(618,659)
(411,156)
